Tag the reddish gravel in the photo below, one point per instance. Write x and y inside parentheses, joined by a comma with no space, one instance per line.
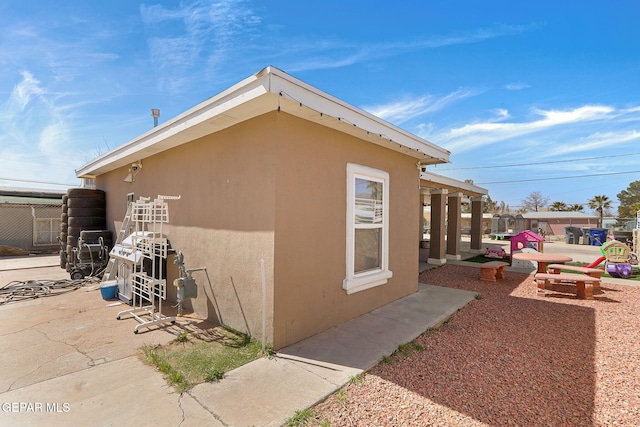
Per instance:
(510,358)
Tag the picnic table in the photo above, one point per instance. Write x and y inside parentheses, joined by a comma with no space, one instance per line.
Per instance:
(542,259)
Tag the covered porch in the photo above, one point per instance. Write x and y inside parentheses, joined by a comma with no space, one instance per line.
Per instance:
(447,199)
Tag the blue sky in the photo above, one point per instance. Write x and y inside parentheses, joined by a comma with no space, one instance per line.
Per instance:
(545,92)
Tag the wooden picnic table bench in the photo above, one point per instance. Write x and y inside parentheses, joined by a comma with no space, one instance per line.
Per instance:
(584,284)
(492,270)
(592,272)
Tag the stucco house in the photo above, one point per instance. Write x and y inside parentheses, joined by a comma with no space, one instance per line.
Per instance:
(30,219)
(554,223)
(275,172)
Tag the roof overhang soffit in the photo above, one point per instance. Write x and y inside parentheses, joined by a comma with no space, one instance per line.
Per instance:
(430,181)
(268,90)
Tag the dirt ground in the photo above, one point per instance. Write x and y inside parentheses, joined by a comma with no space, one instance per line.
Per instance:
(9,251)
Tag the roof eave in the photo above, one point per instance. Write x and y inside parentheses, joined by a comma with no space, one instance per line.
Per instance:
(433,180)
(268,90)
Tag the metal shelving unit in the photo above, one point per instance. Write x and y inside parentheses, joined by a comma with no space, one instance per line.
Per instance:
(149,248)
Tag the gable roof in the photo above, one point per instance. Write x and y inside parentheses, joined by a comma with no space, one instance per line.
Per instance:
(31,196)
(558,215)
(268,90)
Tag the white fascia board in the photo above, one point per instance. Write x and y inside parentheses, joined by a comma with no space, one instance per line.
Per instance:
(249,98)
(464,187)
(300,92)
(182,128)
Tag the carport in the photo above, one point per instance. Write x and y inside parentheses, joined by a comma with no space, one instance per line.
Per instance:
(446,196)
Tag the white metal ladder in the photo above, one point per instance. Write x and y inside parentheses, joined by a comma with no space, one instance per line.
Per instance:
(111,270)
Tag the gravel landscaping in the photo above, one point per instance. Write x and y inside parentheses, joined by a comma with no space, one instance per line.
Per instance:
(509,358)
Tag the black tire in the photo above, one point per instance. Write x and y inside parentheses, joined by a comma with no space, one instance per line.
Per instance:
(65,208)
(63,259)
(73,193)
(105,241)
(65,198)
(77,275)
(62,237)
(86,212)
(64,227)
(75,231)
(64,218)
(93,236)
(87,221)
(84,252)
(84,202)
(72,241)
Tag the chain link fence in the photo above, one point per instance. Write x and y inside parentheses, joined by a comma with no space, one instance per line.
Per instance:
(31,227)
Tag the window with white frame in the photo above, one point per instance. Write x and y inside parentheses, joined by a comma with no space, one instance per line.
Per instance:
(367,228)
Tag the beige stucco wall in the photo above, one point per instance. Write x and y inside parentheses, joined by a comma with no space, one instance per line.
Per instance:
(274,188)
(310,228)
(223,221)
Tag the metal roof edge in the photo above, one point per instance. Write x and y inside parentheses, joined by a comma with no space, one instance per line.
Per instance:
(329,104)
(269,80)
(451,182)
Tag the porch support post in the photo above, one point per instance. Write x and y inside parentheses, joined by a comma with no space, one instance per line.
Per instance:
(438,227)
(476,223)
(421,226)
(454,219)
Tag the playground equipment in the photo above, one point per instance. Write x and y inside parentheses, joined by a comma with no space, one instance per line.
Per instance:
(527,239)
(506,226)
(617,255)
(495,252)
(597,262)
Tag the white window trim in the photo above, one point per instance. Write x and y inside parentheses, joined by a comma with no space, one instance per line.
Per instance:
(356,282)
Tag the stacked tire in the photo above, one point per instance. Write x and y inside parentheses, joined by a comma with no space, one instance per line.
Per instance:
(64,227)
(83,216)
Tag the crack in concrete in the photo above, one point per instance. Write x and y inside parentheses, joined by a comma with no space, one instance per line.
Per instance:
(91,362)
(181,409)
(44,322)
(215,416)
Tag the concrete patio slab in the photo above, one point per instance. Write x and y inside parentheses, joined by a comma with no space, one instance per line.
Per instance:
(70,359)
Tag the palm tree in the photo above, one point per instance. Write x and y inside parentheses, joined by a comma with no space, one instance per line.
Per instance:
(558,207)
(600,204)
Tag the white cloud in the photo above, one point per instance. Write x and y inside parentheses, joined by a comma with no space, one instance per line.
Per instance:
(34,134)
(196,35)
(476,135)
(338,53)
(501,114)
(596,141)
(409,107)
(23,92)
(517,86)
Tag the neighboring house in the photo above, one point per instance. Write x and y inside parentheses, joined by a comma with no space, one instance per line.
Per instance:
(30,219)
(554,223)
(275,172)
(465,223)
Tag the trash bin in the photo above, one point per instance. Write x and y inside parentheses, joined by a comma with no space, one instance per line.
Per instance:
(598,236)
(585,236)
(572,235)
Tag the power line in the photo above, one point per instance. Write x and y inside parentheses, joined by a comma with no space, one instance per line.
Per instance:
(559,177)
(539,163)
(37,182)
